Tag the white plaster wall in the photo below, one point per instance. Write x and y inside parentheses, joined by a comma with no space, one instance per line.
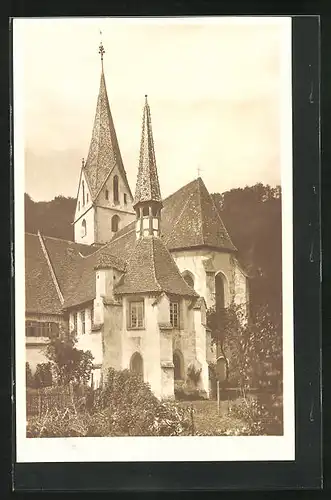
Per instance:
(122,189)
(80,209)
(201,350)
(34,355)
(234,280)
(89,238)
(92,341)
(103,222)
(147,343)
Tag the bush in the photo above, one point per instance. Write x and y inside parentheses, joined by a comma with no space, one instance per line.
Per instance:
(43,376)
(188,393)
(69,363)
(29,379)
(127,407)
(259,419)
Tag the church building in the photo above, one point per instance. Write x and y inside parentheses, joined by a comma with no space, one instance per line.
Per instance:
(135,285)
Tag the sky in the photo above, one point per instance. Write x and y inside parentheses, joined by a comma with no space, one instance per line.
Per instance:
(214,88)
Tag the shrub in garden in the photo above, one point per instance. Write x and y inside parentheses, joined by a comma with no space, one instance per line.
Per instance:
(69,363)
(29,379)
(188,393)
(130,408)
(259,419)
(43,376)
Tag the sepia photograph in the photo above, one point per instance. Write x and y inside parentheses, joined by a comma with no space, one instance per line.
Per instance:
(153,239)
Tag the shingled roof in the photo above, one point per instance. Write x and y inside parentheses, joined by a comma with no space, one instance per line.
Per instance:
(104,153)
(189,220)
(147,186)
(73,265)
(151,269)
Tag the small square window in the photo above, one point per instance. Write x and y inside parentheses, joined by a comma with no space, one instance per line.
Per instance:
(174,314)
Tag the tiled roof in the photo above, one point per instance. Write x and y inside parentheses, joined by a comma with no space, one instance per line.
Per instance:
(189,219)
(151,269)
(104,152)
(74,267)
(147,187)
(40,292)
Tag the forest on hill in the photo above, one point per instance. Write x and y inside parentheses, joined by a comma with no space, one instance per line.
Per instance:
(252,216)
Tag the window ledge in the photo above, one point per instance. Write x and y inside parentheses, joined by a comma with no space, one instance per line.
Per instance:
(167,364)
(37,340)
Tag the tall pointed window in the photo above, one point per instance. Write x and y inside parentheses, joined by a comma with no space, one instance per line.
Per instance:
(84,230)
(115,223)
(83,189)
(115,189)
(107,194)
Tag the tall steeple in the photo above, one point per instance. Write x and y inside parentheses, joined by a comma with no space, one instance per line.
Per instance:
(104,152)
(104,198)
(147,200)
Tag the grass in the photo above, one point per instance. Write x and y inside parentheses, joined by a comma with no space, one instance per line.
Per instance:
(207,420)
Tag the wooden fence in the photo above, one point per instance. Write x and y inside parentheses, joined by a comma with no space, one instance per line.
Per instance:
(39,401)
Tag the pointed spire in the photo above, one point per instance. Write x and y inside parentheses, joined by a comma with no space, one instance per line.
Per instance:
(147,187)
(104,152)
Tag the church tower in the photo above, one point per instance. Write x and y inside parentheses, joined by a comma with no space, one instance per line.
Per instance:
(147,200)
(104,199)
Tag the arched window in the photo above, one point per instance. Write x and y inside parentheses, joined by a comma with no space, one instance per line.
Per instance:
(189,278)
(178,365)
(136,364)
(115,223)
(84,230)
(115,188)
(83,189)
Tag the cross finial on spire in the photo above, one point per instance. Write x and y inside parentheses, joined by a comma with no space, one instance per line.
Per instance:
(199,170)
(101,47)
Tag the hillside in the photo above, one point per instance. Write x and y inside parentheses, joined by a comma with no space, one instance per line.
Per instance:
(252,216)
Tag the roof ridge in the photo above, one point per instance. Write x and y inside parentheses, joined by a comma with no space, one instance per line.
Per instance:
(122,235)
(174,262)
(51,269)
(199,180)
(220,218)
(179,217)
(153,266)
(53,238)
(179,190)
